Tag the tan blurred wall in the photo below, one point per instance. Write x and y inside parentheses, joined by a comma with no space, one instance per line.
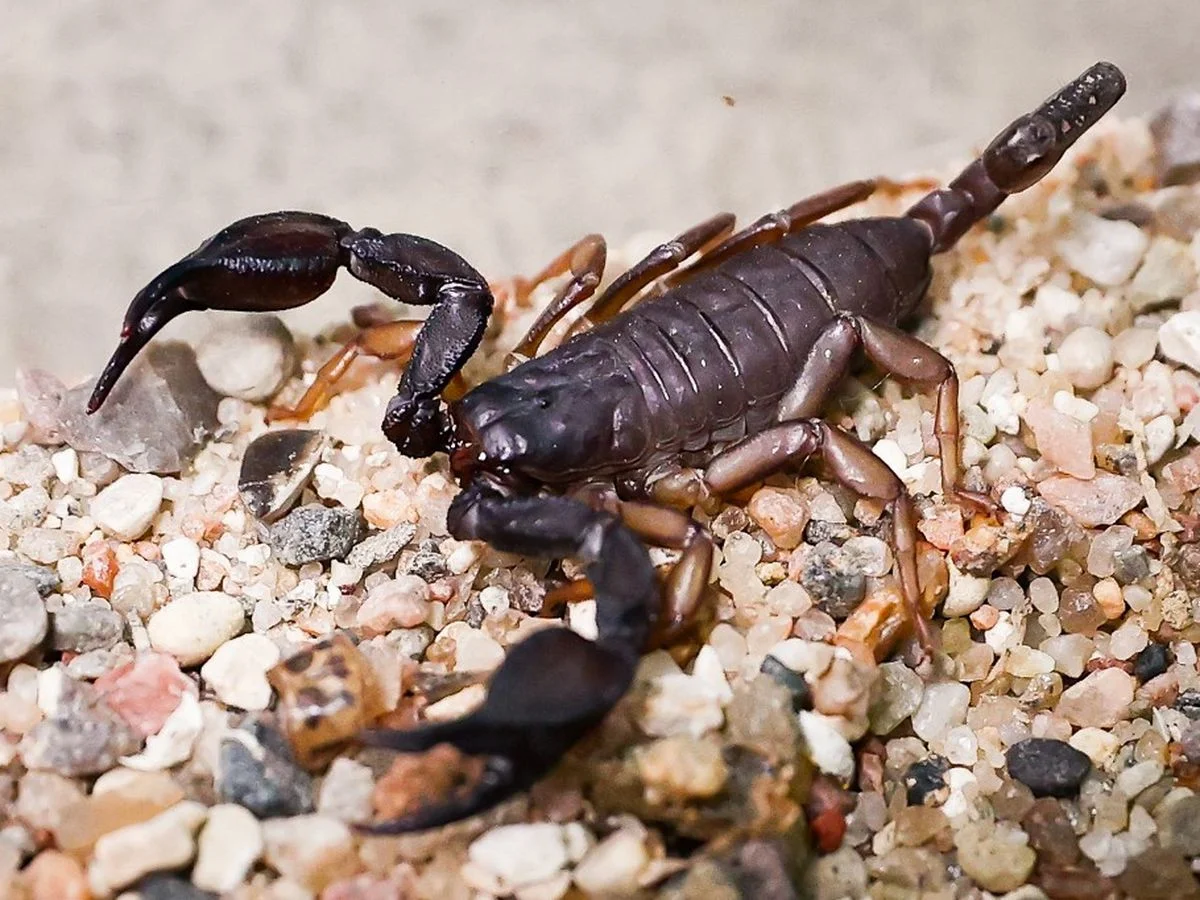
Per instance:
(131,130)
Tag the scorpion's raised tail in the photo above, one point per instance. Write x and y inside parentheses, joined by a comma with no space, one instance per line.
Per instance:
(553,687)
(1020,155)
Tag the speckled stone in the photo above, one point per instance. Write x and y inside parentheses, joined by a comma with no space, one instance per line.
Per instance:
(315,533)
(1049,768)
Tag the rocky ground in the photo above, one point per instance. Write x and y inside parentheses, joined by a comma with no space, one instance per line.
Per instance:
(198,612)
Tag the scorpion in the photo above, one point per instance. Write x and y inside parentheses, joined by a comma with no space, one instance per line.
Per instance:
(678,382)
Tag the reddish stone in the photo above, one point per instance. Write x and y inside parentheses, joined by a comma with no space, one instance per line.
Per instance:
(145,692)
(99,568)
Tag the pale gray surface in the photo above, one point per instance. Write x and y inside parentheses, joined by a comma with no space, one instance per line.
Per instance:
(130,131)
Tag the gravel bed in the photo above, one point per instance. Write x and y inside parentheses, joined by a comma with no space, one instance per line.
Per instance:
(198,611)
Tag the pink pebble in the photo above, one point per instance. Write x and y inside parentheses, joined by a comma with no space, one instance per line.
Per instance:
(145,692)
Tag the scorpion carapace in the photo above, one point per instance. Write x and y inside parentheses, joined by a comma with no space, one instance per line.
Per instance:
(585,451)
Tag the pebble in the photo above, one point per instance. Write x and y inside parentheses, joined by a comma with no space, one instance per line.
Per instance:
(193,626)
(520,855)
(275,468)
(611,867)
(312,850)
(23,620)
(164,842)
(382,547)
(249,357)
(80,736)
(925,778)
(1178,822)
(832,578)
(55,876)
(81,627)
(158,886)
(146,691)
(173,743)
(793,681)
(1159,873)
(897,695)
(315,533)
(158,416)
(1176,131)
(1063,441)
(1100,700)
(402,602)
(46,581)
(1179,338)
(943,706)
(967,593)
(1086,357)
(781,513)
(993,858)
(828,749)
(1049,768)
(229,845)
(346,791)
(237,671)
(1107,251)
(680,704)
(682,768)
(1151,662)
(1092,503)
(127,507)
(1166,275)
(256,770)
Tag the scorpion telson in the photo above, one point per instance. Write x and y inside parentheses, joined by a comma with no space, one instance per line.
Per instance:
(593,448)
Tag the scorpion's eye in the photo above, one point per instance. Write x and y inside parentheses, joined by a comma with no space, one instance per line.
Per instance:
(542,401)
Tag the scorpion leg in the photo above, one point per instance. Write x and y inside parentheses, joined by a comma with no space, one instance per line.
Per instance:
(773,226)
(898,354)
(554,686)
(663,259)
(585,261)
(851,464)
(385,340)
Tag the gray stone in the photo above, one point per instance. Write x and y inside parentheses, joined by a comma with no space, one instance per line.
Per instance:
(315,533)
(1176,130)
(382,547)
(22,616)
(256,770)
(81,627)
(157,417)
(275,469)
(45,580)
(82,736)
(1179,825)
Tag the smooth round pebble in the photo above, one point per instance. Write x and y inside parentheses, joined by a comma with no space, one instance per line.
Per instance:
(1086,357)
(237,671)
(23,620)
(249,358)
(127,507)
(229,845)
(192,627)
(1048,767)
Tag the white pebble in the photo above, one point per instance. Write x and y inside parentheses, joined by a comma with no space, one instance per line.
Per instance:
(967,593)
(174,742)
(229,845)
(829,750)
(1086,357)
(961,746)
(1160,435)
(681,704)
(1015,500)
(707,669)
(494,600)
(192,627)
(127,507)
(611,867)
(1179,338)
(1056,305)
(163,842)
(581,618)
(66,465)
(943,707)
(181,557)
(474,651)
(1138,777)
(1098,745)
(247,358)
(1025,662)
(237,671)
(520,855)
(891,453)
(1105,250)
(1075,407)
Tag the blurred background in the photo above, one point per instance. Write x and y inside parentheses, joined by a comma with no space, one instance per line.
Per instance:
(131,131)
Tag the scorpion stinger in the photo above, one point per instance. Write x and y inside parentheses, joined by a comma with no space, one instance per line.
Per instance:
(554,686)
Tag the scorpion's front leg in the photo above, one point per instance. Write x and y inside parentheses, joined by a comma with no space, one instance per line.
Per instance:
(852,464)
(554,686)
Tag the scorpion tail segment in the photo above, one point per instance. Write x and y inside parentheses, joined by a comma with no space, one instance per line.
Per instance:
(553,688)
(258,264)
(1020,156)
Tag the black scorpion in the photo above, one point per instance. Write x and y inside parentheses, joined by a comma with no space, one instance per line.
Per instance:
(727,366)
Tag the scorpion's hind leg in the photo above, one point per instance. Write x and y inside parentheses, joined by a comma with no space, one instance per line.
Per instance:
(851,463)
(897,354)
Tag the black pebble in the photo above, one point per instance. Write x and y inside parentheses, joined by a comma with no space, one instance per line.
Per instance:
(264,779)
(1151,662)
(1048,767)
(925,777)
(790,679)
(170,887)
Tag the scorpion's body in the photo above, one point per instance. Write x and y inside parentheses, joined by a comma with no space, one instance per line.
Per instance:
(728,367)
(682,375)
